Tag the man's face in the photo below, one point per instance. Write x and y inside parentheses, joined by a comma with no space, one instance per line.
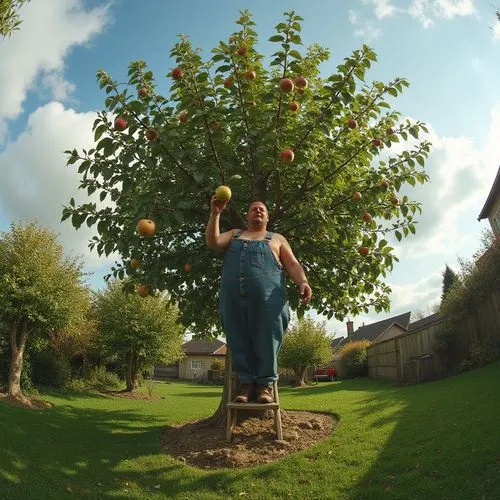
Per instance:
(257,213)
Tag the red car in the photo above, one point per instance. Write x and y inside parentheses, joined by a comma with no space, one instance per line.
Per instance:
(325,373)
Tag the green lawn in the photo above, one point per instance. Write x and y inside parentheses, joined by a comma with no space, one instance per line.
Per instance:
(439,440)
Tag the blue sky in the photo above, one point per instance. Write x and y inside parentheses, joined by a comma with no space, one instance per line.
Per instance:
(449,50)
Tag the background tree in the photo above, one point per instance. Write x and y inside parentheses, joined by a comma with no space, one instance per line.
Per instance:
(39,288)
(316,149)
(138,332)
(449,277)
(9,16)
(307,343)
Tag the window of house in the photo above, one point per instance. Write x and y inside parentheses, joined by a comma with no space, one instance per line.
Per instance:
(195,364)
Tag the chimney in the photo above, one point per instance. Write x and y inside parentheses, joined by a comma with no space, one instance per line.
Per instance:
(350,327)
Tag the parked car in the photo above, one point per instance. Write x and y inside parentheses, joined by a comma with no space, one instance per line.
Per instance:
(325,373)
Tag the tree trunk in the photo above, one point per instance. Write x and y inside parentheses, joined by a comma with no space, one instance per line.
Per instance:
(300,374)
(132,379)
(16,361)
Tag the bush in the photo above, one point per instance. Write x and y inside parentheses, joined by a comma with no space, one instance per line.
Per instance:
(49,370)
(354,359)
(99,379)
(483,353)
(217,365)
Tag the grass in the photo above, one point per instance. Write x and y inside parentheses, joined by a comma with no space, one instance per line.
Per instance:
(439,440)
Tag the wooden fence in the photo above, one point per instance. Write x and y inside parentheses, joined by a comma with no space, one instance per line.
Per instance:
(410,357)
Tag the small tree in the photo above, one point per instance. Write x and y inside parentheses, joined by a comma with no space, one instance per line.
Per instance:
(449,277)
(306,344)
(39,290)
(140,332)
(9,16)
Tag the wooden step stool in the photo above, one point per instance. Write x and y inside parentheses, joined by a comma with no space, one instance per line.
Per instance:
(233,407)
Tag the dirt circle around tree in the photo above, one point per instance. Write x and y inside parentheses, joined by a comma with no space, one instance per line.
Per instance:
(254,440)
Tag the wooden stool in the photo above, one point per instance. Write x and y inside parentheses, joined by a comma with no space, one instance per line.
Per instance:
(233,407)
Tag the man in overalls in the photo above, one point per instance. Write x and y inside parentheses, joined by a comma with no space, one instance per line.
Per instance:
(253,306)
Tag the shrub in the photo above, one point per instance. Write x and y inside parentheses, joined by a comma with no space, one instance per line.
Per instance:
(50,370)
(483,353)
(217,365)
(98,379)
(354,359)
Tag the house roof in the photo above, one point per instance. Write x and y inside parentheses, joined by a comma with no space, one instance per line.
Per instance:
(337,341)
(424,322)
(200,346)
(494,193)
(397,325)
(371,332)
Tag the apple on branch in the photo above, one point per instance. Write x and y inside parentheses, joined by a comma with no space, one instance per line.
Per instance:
(242,51)
(301,82)
(286,85)
(228,82)
(146,228)
(188,267)
(294,106)
(142,290)
(367,217)
(357,196)
(120,124)
(143,92)
(287,156)
(177,73)
(352,123)
(364,251)
(183,116)
(250,74)
(151,134)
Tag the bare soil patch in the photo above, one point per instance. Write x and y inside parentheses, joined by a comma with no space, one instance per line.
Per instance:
(254,440)
(25,402)
(131,395)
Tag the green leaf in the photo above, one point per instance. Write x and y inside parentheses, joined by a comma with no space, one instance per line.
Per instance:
(277,38)
(295,54)
(398,235)
(99,131)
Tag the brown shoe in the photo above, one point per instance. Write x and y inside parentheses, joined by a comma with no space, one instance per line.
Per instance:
(245,394)
(265,394)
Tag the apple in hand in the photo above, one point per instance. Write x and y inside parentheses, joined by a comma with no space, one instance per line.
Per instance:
(223,193)
(146,228)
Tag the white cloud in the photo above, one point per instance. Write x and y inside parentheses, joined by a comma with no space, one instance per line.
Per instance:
(496,30)
(427,11)
(363,29)
(59,88)
(36,181)
(382,8)
(50,29)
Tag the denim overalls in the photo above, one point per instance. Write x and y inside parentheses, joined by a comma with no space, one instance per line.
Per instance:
(253,308)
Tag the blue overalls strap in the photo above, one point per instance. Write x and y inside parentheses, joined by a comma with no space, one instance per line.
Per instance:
(269,236)
(237,234)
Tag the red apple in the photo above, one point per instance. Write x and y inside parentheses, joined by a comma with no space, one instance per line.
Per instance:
(294,106)
(151,134)
(301,82)
(228,82)
(177,73)
(367,217)
(142,290)
(377,143)
(287,156)
(364,251)
(389,131)
(214,125)
(395,200)
(352,123)
(146,228)
(183,116)
(121,124)
(250,74)
(299,91)
(188,267)
(143,92)
(242,51)
(384,183)
(286,85)
(135,263)
(357,196)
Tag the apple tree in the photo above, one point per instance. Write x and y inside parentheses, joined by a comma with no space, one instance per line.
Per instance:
(138,332)
(9,16)
(328,155)
(41,291)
